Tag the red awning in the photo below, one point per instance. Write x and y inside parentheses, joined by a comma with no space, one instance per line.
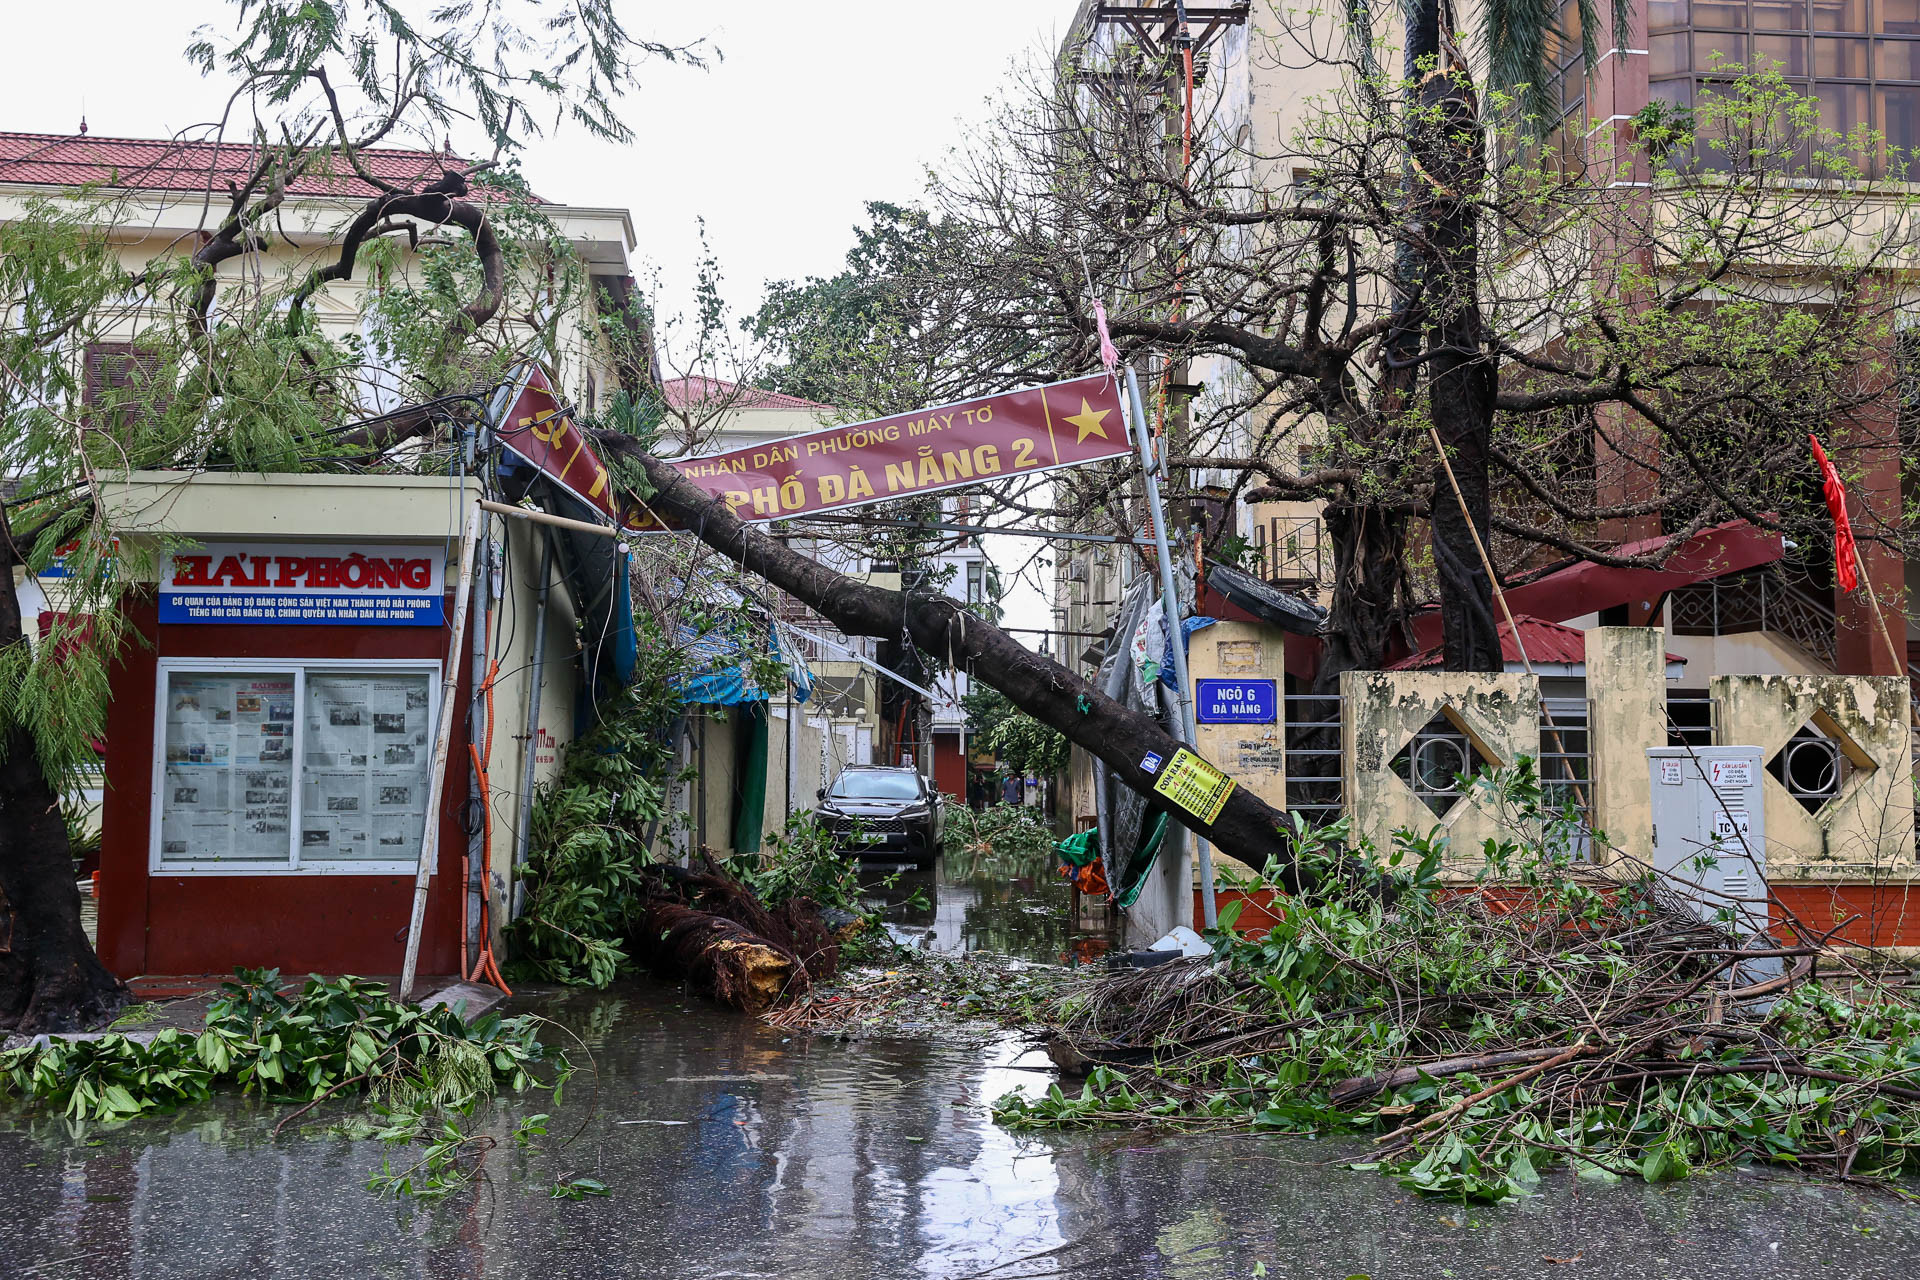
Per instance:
(1548,644)
(1583,587)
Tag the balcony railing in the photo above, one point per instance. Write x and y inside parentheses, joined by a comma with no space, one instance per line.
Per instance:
(1758,601)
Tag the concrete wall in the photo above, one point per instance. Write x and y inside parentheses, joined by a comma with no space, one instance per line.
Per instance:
(1385,709)
(1867,830)
(1254,754)
(1627,697)
(515,612)
(1748,653)
(793,792)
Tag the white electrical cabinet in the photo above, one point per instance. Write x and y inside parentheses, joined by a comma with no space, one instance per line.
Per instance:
(1710,831)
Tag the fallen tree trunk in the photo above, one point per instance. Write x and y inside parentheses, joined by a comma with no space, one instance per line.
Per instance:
(715,956)
(50,978)
(1247,827)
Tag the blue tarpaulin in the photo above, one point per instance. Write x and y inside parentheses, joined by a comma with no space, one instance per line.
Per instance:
(717,657)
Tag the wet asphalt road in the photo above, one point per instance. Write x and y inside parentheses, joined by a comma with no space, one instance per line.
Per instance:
(736,1150)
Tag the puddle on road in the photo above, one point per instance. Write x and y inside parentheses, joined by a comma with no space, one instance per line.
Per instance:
(995,902)
(736,1150)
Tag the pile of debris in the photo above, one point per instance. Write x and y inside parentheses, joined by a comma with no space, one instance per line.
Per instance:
(1483,1033)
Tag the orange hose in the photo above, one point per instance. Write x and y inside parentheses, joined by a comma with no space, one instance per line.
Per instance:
(485,964)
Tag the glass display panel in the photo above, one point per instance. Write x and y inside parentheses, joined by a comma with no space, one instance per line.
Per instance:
(1843,108)
(1779,15)
(363,791)
(1730,49)
(1896,59)
(1840,15)
(1785,54)
(1897,17)
(1665,15)
(1666,54)
(226,785)
(1900,118)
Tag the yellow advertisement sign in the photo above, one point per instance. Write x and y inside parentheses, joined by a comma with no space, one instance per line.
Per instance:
(1194,785)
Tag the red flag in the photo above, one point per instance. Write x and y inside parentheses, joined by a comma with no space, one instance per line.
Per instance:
(1844,555)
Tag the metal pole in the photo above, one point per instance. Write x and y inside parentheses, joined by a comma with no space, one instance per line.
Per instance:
(477,889)
(536,677)
(1170,601)
(787,807)
(437,777)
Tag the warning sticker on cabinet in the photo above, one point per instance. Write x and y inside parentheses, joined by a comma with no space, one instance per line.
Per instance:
(1730,773)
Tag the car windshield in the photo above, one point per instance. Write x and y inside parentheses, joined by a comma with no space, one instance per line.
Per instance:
(877,784)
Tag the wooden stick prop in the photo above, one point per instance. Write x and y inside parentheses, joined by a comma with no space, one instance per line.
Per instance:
(1486,563)
(437,774)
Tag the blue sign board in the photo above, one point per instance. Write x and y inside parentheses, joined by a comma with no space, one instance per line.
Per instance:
(1236,701)
(304,608)
(305,585)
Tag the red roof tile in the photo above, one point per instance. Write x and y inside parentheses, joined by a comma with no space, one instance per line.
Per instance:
(687,393)
(1548,644)
(156,164)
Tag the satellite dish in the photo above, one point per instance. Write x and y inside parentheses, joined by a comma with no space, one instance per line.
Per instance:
(1269,604)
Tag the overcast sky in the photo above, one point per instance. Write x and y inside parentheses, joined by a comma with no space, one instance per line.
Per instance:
(813,110)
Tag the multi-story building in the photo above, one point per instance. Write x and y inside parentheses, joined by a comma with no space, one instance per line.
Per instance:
(1735,605)
(269,757)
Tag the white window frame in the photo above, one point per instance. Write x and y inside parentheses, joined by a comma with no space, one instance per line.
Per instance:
(299,668)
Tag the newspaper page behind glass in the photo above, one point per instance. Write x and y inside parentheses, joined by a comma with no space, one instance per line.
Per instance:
(226,794)
(363,793)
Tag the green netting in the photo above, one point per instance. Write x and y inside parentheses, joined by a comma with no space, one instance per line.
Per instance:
(1135,874)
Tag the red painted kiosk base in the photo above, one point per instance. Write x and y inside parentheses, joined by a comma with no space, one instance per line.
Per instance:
(155,923)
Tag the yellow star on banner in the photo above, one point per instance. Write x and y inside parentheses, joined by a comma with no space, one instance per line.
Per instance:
(1089,420)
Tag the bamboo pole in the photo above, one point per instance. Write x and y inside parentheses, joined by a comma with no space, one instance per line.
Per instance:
(1493,580)
(437,773)
(1879,619)
(542,517)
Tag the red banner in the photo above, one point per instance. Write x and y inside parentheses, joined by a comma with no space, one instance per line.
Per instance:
(1062,424)
(535,425)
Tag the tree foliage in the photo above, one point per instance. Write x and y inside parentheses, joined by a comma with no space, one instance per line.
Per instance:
(1611,336)
(873,340)
(1022,744)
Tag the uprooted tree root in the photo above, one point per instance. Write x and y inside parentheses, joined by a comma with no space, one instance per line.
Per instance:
(1482,1035)
(709,930)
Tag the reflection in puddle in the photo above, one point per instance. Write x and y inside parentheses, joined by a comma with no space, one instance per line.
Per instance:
(734,1149)
(996,902)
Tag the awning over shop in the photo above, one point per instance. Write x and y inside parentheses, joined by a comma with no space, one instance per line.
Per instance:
(1580,587)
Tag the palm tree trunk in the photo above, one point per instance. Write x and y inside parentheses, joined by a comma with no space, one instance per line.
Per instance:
(1438,313)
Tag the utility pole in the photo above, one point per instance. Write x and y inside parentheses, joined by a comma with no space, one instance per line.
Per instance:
(1166,34)
(1174,37)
